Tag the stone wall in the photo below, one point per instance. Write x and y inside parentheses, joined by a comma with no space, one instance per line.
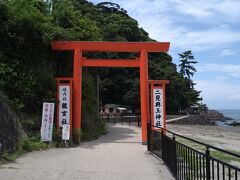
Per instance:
(208,118)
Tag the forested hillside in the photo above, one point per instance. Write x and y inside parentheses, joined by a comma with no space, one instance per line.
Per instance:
(28,65)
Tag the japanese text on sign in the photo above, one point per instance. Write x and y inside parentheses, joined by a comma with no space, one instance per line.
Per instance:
(64,105)
(158,107)
(47,121)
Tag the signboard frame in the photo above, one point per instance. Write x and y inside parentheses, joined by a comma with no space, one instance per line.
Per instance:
(64,82)
(162,87)
(45,116)
(66,132)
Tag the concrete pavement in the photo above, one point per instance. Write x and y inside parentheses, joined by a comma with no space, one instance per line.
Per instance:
(119,155)
(176,119)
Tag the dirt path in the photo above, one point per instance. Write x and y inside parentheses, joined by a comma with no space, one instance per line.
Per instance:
(116,156)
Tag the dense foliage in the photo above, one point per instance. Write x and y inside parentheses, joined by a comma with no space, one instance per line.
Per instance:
(27,64)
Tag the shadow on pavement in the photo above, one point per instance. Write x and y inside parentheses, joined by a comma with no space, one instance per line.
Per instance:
(117,134)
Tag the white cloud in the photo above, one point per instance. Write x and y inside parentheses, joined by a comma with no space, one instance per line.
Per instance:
(228,52)
(235,97)
(167,20)
(199,26)
(228,69)
(229,8)
(219,94)
(206,10)
(197,9)
(206,39)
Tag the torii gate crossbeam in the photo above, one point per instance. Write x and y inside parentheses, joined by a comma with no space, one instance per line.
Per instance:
(79,61)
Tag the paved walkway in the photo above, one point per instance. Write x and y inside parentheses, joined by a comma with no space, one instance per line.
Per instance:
(176,119)
(116,156)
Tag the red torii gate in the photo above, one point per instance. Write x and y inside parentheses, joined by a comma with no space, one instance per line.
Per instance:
(79,61)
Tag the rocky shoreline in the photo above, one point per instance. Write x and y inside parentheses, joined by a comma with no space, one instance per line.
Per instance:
(234,124)
(208,118)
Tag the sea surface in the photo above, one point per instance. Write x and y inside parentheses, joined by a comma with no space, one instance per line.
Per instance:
(231,113)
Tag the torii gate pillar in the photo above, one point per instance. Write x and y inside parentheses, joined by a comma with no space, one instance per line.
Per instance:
(144,93)
(77,91)
(79,62)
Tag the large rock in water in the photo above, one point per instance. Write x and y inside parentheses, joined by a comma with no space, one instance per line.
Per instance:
(11,131)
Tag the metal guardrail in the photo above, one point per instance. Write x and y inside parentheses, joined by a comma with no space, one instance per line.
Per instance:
(187,162)
(130,118)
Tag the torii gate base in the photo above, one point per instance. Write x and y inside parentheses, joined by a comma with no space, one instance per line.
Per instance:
(79,62)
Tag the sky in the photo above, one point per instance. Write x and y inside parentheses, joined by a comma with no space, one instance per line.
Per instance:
(210,28)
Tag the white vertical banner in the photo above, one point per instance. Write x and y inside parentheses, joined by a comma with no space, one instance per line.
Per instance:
(65,132)
(64,104)
(158,118)
(47,121)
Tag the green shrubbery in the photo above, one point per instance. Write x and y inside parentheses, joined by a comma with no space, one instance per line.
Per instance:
(28,65)
(33,144)
(27,144)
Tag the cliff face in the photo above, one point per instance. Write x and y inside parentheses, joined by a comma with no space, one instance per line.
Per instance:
(11,131)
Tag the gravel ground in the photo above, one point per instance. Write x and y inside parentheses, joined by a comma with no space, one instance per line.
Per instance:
(116,156)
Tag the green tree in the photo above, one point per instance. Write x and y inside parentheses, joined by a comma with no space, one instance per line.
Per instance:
(187,70)
(202,108)
(28,65)
(111,7)
(187,61)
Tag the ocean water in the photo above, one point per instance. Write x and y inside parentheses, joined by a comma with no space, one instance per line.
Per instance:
(231,113)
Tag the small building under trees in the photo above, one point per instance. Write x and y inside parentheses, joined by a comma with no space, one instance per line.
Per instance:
(113,109)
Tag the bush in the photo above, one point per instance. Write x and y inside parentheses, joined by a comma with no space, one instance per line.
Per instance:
(28,144)
(33,144)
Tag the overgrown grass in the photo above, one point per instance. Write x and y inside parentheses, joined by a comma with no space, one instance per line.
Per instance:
(7,157)
(216,154)
(191,144)
(224,157)
(29,144)
(33,142)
